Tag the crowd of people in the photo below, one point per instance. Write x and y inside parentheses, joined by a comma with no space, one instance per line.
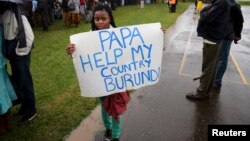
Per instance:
(43,12)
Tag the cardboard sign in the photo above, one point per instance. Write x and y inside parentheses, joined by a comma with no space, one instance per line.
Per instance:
(116,59)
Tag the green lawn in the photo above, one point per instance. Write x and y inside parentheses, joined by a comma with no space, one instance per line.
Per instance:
(60,106)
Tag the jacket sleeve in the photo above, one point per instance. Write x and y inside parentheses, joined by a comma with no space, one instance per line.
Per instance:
(237,18)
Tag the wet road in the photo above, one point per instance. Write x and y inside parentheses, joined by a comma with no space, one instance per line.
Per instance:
(162,113)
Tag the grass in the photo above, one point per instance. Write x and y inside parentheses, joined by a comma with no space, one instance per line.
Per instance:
(244,3)
(59,104)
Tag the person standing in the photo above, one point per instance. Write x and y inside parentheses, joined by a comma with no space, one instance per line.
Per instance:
(82,9)
(65,11)
(7,93)
(17,49)
(34,7)
(51,11)
(27,6)
(172,5)
(199,5)
(74,16)
(212,26)
(234,33)
(42,9)
(195,6)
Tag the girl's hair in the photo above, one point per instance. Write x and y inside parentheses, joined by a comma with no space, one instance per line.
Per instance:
(100,7)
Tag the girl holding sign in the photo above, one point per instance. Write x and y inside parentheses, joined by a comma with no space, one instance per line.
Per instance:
(103,19)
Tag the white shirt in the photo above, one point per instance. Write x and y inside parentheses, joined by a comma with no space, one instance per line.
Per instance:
(10,25)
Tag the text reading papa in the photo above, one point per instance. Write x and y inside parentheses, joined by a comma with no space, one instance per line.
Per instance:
(124,60)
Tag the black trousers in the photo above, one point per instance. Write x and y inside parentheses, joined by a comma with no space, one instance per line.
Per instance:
(23,83)
(173,8)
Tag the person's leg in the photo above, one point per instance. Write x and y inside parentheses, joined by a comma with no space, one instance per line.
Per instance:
(70,18)
(77,19)
(116,127)
(44,19)
(20,67)
(210,57)
(2,130)
(107,121)
(73,18)
(171,8)
(6,117)
(222,63)
(65,18)
(174,8)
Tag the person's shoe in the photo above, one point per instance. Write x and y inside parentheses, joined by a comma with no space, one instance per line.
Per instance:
(108,135)
(28,117)
(196,96)
(216,86)
(115,139)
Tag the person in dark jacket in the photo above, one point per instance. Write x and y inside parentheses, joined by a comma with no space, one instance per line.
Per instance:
(42,8)
(212,26)
(234,33)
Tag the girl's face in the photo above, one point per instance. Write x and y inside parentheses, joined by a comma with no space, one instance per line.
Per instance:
(101,19)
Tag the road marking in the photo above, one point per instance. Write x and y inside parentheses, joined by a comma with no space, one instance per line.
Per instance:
(185,53)
(243,78)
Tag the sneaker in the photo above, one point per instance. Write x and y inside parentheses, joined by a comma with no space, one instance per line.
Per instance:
(108,135)
(28,117)
(115,139)
(196,96)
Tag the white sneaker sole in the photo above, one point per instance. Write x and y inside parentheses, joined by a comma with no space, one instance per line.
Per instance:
(33,117)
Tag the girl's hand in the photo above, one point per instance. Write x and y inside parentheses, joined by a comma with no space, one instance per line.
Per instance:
(70,49)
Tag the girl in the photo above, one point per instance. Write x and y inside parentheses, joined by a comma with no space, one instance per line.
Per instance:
(103,19)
